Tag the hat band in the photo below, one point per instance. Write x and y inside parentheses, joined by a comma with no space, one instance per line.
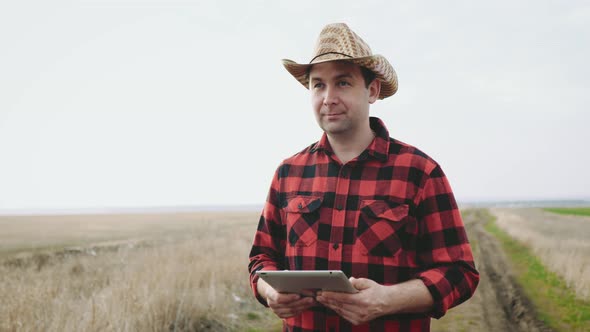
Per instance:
(319,55)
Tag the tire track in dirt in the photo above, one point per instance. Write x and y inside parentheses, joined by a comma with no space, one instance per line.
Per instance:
(503,305)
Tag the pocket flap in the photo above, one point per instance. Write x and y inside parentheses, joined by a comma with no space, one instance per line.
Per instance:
(303,204)
(385,210)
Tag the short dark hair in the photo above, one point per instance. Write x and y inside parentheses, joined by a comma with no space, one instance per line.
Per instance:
(368,75)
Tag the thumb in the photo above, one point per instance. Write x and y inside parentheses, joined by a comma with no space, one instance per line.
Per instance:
(360,283)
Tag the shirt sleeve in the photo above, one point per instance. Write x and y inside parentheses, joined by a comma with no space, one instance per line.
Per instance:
(268,248)
(444,250)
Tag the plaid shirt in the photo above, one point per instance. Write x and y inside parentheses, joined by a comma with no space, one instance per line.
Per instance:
(388,215)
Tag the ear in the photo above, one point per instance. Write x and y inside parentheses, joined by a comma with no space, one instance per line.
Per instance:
(374,90)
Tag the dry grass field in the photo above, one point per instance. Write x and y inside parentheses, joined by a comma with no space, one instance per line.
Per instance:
(177,272)
(188,272)
(560,241)
(35,233)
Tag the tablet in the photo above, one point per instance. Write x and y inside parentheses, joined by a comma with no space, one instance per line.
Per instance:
(307,282)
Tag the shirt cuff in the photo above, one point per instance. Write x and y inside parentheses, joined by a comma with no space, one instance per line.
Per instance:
(437,285)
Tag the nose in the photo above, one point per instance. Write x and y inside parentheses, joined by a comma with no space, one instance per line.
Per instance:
(330,96)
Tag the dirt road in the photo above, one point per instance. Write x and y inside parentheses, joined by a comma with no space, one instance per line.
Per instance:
(498,304)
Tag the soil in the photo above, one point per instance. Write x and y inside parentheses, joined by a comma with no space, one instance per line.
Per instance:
(499,303)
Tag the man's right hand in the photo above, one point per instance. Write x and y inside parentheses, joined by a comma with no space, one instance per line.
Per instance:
(284,305)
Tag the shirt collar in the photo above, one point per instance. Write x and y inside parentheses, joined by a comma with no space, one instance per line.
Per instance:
(378,149)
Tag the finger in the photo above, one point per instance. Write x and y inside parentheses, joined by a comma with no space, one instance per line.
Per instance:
(332,295)
(293,305)
(293,308)
(336,297)
(329,302)
(347,312)
(325,300)
(285,313)
(361,283)
(303,304)
(341,307)
(285,298)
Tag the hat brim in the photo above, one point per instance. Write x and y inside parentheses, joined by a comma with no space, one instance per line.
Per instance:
(376,63)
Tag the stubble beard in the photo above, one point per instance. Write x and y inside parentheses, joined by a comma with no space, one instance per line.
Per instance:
(336,128)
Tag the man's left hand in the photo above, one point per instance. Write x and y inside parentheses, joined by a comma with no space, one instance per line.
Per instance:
(358,308)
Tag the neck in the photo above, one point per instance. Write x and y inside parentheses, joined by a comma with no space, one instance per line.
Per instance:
(347,148)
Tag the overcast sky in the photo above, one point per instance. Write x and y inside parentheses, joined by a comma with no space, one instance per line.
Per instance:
(162,103)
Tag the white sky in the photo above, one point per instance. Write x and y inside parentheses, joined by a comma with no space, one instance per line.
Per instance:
(156,103)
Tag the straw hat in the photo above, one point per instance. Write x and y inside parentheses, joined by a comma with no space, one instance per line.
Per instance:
(338,42)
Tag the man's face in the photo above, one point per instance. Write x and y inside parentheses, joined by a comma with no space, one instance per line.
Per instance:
(340,98)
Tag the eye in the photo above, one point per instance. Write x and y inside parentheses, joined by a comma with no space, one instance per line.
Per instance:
(343,83)
(318,85)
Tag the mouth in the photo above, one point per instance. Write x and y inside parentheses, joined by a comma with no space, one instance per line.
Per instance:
(330,116)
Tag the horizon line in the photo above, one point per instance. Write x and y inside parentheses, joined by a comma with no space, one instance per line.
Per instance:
(256,207)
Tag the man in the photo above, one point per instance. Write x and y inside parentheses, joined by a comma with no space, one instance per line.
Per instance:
(359,201)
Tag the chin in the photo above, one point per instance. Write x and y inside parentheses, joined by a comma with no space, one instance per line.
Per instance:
(335,131)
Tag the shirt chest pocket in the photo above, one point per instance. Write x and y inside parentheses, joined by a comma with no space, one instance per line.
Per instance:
(302,214)
(379,225)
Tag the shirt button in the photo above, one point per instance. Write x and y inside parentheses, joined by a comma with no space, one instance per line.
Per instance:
(335,246)
(344,173)
(300,206)
(339,207)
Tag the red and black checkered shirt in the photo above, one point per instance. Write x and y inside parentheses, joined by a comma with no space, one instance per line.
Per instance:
(388,215)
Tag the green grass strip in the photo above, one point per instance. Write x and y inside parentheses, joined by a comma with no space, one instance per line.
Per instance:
(556,304)
(579,211)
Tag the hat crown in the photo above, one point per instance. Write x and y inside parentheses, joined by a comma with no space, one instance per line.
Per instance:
(338,40)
